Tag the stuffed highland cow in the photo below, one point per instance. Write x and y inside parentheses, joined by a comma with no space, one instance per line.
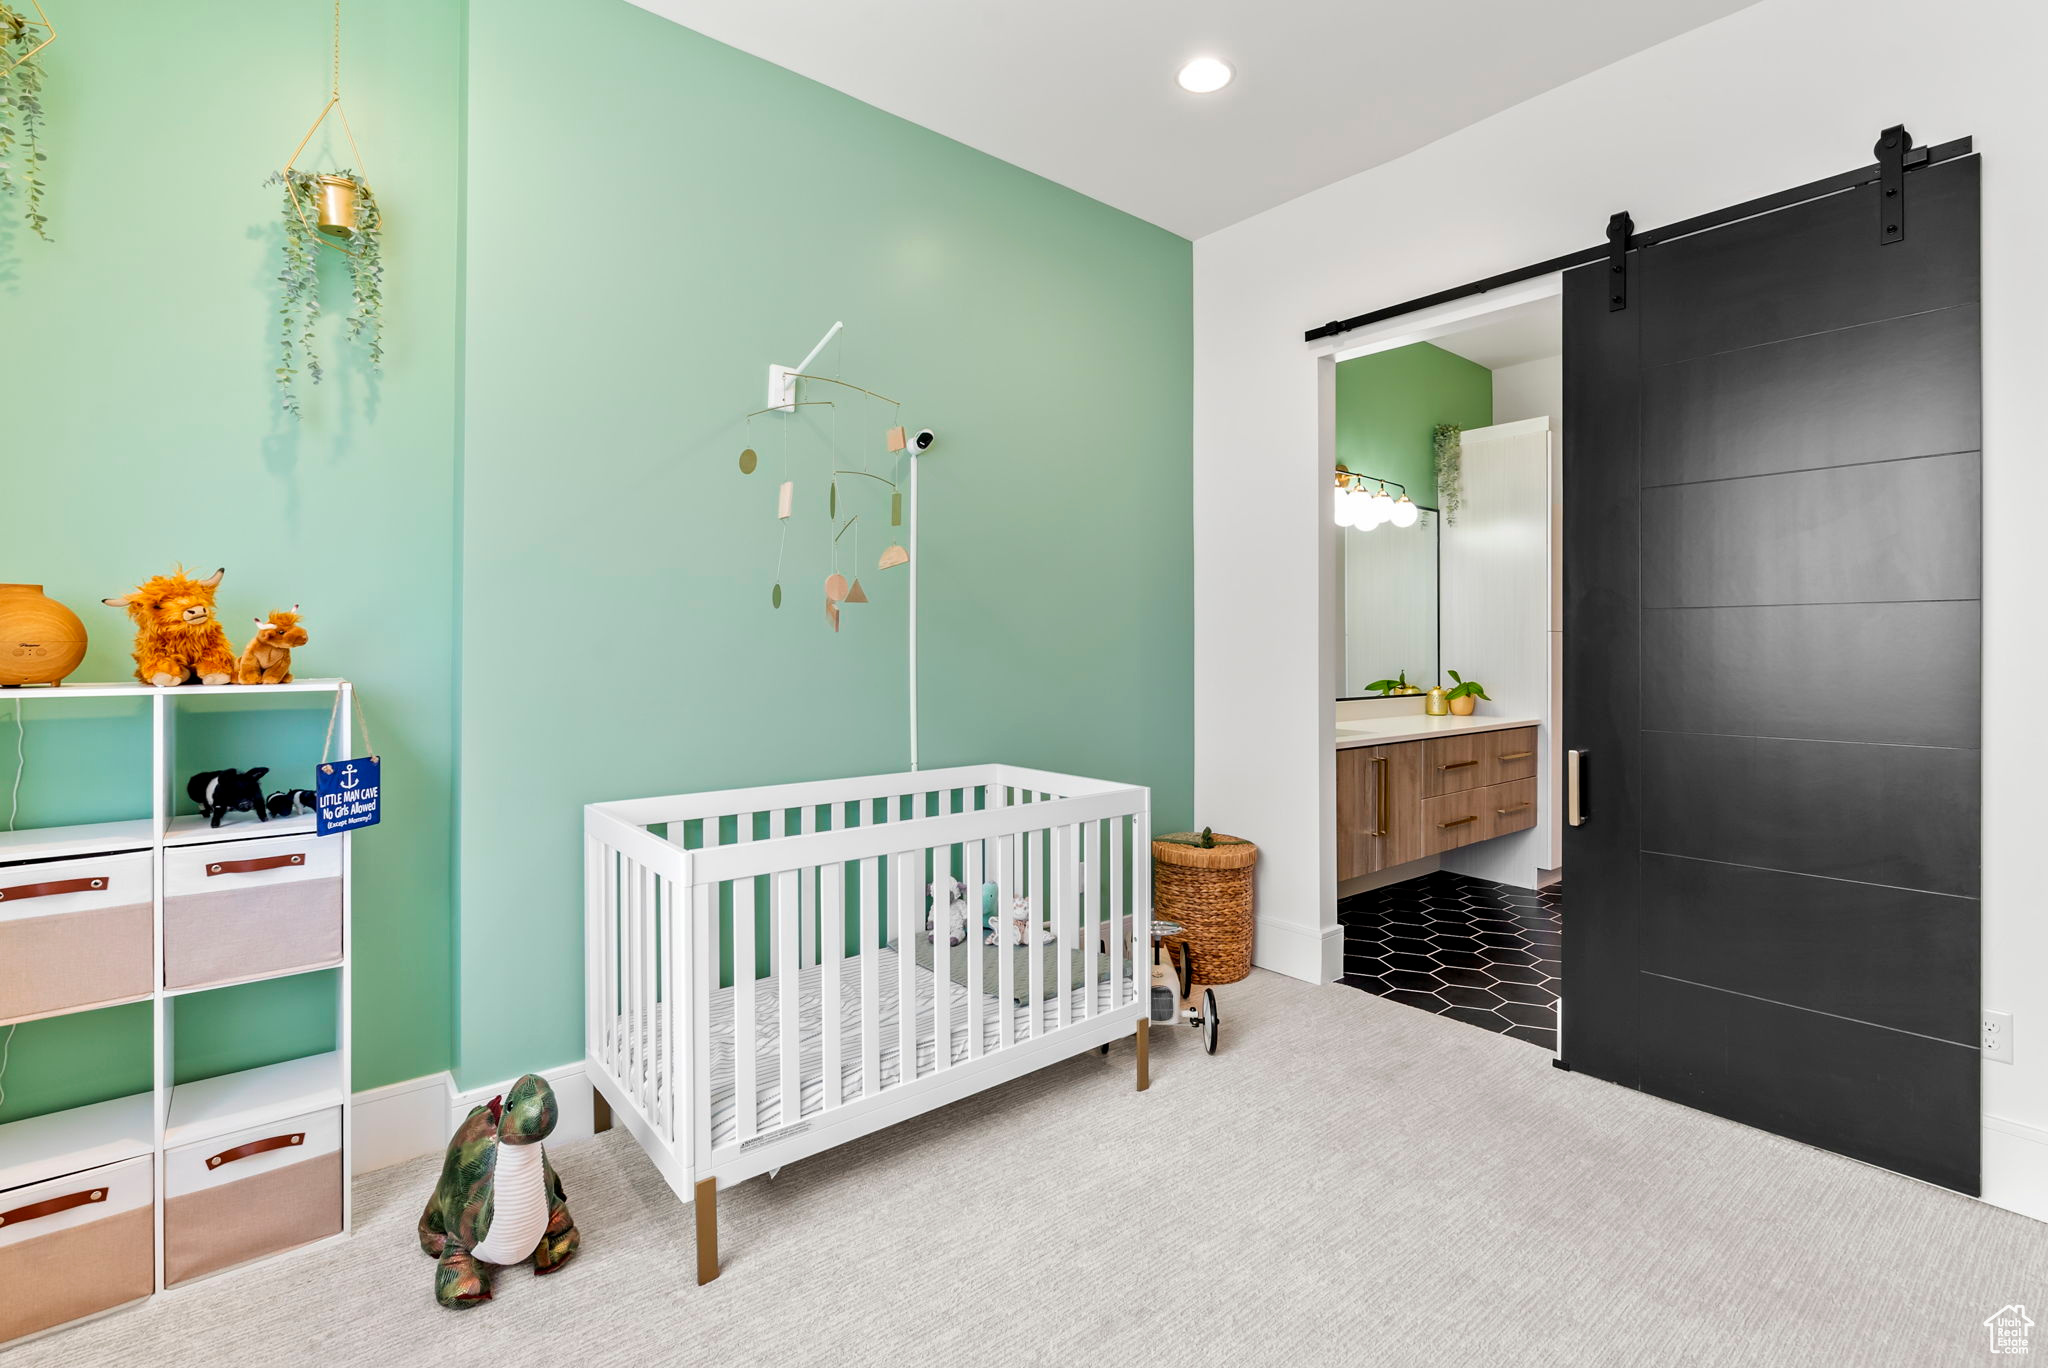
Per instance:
(178,635)
(267,659)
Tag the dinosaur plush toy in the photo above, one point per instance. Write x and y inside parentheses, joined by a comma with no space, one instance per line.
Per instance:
(178,635)
(499,1201)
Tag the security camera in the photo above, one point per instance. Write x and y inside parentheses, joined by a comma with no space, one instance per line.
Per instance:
(922,442)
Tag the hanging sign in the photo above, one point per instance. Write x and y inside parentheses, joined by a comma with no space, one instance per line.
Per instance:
(347,794)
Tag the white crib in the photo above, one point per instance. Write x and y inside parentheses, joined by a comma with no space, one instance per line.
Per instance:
(813,896)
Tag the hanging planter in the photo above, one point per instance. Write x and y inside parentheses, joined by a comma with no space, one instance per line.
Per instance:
(21,110)
(334,211)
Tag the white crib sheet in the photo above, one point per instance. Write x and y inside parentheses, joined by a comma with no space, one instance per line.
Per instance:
(811,1037)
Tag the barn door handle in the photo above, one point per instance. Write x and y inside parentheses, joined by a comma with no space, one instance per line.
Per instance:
(1575,813)
(1380,827)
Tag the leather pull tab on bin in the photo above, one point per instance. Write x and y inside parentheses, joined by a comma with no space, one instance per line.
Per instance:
(10,1219)
(275,1142)
(253,866)
(51,889)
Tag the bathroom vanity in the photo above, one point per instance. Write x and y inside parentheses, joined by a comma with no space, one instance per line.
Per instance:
(1412,786)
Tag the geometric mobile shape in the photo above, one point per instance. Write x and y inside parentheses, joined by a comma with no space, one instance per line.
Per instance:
(895,439)
(856,594)
(893,556)
(748,460)
(784,499)
(835,588)
(776,597)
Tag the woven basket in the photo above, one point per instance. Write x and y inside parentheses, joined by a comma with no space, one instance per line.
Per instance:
(1208,890)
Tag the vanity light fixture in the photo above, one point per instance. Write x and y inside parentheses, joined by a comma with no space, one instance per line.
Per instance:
(1354,507)
(1205,76)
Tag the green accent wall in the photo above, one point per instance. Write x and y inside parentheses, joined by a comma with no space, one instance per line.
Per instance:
(1389,404)
(642,244)
(527,539)
(142,430)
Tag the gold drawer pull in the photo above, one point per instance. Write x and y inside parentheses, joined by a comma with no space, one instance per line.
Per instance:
(1380,827)
(1457,821)
(1516,808)
(1517,755)
(1457,764)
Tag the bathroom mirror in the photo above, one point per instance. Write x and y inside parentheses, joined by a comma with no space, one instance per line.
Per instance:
(1387,578)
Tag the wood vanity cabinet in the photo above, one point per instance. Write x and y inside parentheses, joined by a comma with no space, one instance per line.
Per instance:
(1398,803)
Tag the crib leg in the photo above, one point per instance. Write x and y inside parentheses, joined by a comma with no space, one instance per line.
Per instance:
(707,1230)
(600,1113)
(1144,1053)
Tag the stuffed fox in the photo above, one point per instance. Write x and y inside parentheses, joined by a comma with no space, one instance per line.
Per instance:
(178,635)
(268,657)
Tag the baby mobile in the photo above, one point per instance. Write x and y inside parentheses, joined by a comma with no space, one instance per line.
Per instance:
(897,446)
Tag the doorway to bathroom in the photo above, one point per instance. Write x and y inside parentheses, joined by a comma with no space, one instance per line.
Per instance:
(1446,499)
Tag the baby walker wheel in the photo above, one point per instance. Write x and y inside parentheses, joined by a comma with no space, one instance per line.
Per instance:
(1210,1021)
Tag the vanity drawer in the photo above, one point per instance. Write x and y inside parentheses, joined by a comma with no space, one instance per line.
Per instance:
(1509,807)
(1454,764)
(252,1192)
(1451,820)
(76,1245)
(243,909)
(75,934)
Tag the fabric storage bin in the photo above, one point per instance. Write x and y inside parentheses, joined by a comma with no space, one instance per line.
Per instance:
(75,933)
(251,1192)
(243,909)
(75,1245)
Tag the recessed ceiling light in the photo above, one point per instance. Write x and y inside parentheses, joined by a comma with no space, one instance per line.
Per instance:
(1204,76)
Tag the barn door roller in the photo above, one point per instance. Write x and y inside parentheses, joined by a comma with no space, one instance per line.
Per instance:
(1895,152)
(1619,229)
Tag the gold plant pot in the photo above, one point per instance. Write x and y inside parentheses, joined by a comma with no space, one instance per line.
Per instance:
(1435,705)
(1463,706)
(338,206)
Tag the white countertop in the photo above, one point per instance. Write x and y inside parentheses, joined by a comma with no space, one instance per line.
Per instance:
(1382,731)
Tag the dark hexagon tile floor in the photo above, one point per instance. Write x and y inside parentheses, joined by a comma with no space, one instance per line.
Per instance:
(1478,952)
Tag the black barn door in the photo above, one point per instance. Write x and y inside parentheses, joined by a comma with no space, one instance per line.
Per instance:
(1772,575)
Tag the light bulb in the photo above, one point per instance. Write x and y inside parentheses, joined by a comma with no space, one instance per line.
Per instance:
(1381,505)
(1405,513)
(1346,510)
(1204,76)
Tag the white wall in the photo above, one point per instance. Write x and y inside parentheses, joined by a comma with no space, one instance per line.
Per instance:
(1784,92)
(1533,389)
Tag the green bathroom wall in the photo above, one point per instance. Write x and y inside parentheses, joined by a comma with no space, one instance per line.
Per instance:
(642,243)
(141,430)
(1388,406)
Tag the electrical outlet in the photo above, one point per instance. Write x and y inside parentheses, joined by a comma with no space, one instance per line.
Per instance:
(1998,1036)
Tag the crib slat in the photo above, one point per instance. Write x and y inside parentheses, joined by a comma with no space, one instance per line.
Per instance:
(905,920)
(671,1008)
(973,872)
(1006,958)
(650,951)
(870,977)
(608,959)
(743,1008)
(629,973)
(942,961)
(832,900)
(702,976)
(1064,911)
(788,984)
(1116,910)
(1035,956)
(807,822)
(1091,915)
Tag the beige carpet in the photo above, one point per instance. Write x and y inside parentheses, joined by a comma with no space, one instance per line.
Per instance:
(1349,1181)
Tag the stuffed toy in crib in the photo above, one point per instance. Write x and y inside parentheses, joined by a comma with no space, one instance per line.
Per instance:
(1015,929)
(956,910)
(499,1200)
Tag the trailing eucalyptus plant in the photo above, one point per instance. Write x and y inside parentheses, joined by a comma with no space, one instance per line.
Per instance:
(299,311)
(1449,445)
(21,119)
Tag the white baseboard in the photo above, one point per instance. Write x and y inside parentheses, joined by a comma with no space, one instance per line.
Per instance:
(1312,954)
(407,1119)
(2016,1166)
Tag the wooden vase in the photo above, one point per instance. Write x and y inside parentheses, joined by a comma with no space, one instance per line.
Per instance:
(41,640)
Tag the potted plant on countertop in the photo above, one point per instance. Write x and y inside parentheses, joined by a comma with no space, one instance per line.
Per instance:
(1464,695)
(1393,688)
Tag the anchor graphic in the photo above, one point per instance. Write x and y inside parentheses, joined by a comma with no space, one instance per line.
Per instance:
(348,776)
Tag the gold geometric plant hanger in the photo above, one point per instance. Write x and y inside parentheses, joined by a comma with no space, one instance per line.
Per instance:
(333,105)
(47,26)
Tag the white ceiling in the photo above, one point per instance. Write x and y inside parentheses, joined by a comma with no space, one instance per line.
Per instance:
(1528,332)
(1082,91)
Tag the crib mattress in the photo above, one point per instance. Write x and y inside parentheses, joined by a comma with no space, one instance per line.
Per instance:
(644,1048)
